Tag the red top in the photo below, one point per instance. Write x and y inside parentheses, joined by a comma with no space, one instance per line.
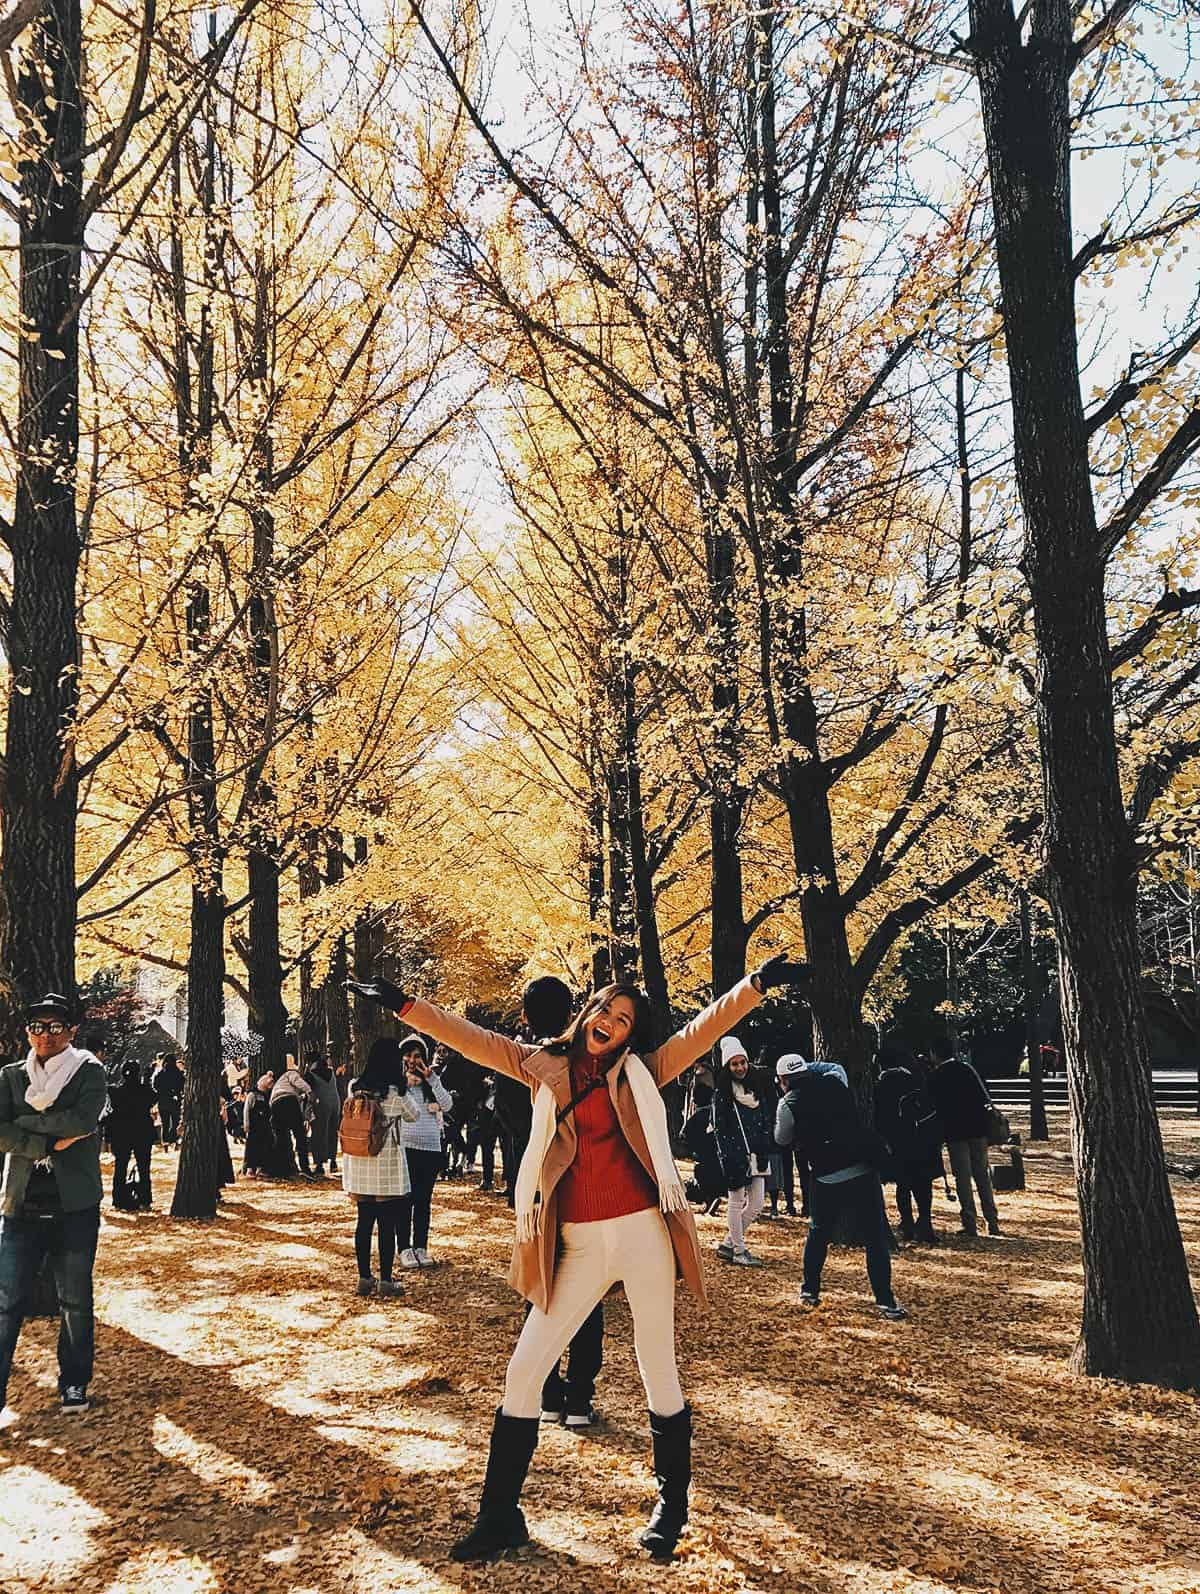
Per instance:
(606,1180)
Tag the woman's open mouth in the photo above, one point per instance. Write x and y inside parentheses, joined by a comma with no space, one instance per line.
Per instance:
(601,1034)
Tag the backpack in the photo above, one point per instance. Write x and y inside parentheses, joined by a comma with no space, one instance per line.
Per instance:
(918,1129)
(364,1127)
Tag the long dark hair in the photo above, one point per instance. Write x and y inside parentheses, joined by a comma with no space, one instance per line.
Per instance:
(756,1080)
(414,1043)
(384,1070)
(641,1037)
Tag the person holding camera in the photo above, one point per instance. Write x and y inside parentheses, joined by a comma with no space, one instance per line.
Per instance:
(598,1202)
(424,1145)
(819,1114)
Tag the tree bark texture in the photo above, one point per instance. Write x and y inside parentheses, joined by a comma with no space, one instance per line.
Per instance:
(203,1150)
(1038,1129)
(268,1016)
(39,791)
(726,795)
(1139,1315)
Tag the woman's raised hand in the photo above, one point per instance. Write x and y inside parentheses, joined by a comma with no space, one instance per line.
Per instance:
(780,970)
(384,993)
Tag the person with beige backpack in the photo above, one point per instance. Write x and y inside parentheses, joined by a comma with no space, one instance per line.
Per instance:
(374,1162)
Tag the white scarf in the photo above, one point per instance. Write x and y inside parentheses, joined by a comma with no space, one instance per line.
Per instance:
(652,1114)
(47,1080)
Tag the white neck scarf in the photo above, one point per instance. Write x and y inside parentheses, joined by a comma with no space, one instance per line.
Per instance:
(652,1113)
(48,1079)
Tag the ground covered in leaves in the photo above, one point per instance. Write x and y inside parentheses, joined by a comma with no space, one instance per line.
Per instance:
(258,1428)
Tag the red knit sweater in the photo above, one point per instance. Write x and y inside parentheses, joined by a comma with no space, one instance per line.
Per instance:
(606,1180)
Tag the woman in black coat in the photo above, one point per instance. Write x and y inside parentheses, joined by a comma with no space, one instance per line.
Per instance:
(743,1118)
(261,1157)
(131,1133)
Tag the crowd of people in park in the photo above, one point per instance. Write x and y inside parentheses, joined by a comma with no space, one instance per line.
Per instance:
(576,1107)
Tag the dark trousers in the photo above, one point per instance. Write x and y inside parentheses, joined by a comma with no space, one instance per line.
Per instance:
(863,1199)
(487,1147)
(169,1108)
(288,1119)
(69,1239)
(384,1212)
(123,1148)
(795,1170)
(412,1227)
(585,1356)
(914,1183)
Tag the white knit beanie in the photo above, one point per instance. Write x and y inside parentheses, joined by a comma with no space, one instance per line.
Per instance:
(731,1047)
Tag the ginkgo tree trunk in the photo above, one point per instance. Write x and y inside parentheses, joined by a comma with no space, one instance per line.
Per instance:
(1139,1313)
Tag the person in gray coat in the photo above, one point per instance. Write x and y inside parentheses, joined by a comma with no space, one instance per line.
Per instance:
(327,1116)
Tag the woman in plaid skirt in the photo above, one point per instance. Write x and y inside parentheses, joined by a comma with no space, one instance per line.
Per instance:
(380,1184)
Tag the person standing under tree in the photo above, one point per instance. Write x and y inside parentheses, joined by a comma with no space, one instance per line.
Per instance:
(819,1113)
(291,1102)
(566,1398)
(131,1134)
(327,1113)
(963,1105)
(167,1085)
(379,1184)
(743,1119)
(50,1108)
(423,1141)
(599,1202)
(907,1119)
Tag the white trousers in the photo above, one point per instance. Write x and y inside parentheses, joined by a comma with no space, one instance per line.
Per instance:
(744,1206)
(635,1251)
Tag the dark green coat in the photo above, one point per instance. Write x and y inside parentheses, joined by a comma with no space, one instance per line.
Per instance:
(27,1136)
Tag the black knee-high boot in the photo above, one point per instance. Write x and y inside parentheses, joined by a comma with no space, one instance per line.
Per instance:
(672,1438)
(500,1524)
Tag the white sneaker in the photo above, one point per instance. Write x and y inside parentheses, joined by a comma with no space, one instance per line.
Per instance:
(409,1258)
(424,1259)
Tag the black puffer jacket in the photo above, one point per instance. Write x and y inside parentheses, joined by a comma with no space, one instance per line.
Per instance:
(743,1132)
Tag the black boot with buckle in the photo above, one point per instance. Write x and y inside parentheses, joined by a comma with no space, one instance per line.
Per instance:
(672,1438)
(500,1524)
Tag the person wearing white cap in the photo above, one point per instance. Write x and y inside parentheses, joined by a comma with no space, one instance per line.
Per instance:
(819,1114)
(743,1126)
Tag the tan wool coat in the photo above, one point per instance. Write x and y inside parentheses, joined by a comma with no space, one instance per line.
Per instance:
(532,1272)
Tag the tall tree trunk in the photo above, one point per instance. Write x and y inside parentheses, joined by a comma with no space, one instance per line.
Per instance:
(204,1151)
(311,1028)
(836,996)
(1038,1129)
(337,1003)
(265,966)
(201,1163)
(594,863)
(1139,1314)
(368,945)
(39,792)
(727,797)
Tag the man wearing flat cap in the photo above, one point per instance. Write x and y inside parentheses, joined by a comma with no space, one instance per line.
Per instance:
(50,1108)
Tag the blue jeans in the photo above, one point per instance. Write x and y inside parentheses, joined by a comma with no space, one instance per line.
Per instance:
(863,1199)
(69,1238)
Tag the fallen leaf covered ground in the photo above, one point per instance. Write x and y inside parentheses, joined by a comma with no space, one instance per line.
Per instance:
(258,1429)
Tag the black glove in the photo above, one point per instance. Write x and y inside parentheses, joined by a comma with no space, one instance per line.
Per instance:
(780,970)
(383,992)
